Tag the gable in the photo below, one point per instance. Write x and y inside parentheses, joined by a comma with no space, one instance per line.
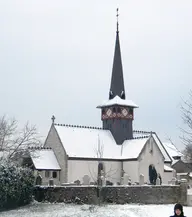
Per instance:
(182,167)
(151,151)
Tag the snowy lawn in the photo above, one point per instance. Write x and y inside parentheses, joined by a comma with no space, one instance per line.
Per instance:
(62,210)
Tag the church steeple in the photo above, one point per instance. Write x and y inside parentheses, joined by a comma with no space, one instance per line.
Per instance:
(117,114)
(117,81)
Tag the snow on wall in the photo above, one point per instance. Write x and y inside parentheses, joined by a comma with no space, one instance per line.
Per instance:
(78,168)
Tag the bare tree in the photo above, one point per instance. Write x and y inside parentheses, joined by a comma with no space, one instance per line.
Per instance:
(186,109)
(14,142)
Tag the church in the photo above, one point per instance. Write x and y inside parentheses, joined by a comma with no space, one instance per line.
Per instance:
(71,152)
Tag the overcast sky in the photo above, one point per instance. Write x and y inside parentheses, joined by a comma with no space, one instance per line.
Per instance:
(56,58)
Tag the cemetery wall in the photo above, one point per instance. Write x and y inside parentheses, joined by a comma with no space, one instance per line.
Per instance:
(113,194)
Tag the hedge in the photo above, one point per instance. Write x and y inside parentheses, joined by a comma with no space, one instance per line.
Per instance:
(16,186)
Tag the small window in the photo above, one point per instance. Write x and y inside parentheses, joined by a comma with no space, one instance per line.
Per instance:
(54,174)
(47,174)
(114,109)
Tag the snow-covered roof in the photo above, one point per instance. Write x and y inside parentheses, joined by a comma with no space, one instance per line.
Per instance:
(85,143)
(132,148)
(172,150)
(44,159)
(167,168)
(118,101)
(158,142)
(162,149)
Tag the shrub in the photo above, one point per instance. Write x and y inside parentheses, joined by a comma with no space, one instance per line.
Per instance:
(16,186)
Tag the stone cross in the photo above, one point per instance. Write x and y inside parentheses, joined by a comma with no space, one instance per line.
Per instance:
(53,119)
(141,179)
(86,180)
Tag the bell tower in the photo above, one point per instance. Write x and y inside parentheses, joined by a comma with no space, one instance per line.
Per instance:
(118,113)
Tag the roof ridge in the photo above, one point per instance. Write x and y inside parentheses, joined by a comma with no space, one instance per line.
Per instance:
(39,148)
(139,137)
(79,126)
(143,132)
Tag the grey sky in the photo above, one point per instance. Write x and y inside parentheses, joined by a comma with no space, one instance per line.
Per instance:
(56,58)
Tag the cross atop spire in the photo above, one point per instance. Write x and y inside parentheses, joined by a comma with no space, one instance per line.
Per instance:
(117,81)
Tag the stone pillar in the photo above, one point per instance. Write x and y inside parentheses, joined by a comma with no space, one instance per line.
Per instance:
(183,190)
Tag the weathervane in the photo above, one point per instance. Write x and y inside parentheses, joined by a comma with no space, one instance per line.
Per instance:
(117,19)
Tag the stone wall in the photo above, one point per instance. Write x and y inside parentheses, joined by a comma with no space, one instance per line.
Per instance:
(117,194)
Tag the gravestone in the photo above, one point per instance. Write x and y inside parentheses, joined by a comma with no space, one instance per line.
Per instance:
(86,180)
(103,180)
(77,182)
(125,179)
(129,181)
(141,179)
(51,182)
(173,181)
(158,182)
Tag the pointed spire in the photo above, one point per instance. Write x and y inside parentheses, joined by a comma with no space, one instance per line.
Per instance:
(117,81)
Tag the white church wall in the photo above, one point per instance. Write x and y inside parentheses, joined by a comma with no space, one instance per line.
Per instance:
(54,142)
(78,168)
(47,175)
(151,155)
(131,168)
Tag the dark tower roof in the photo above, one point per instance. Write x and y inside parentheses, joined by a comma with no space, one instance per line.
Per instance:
(117,81)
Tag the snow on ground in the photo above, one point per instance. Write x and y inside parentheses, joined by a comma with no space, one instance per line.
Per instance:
(62,210)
